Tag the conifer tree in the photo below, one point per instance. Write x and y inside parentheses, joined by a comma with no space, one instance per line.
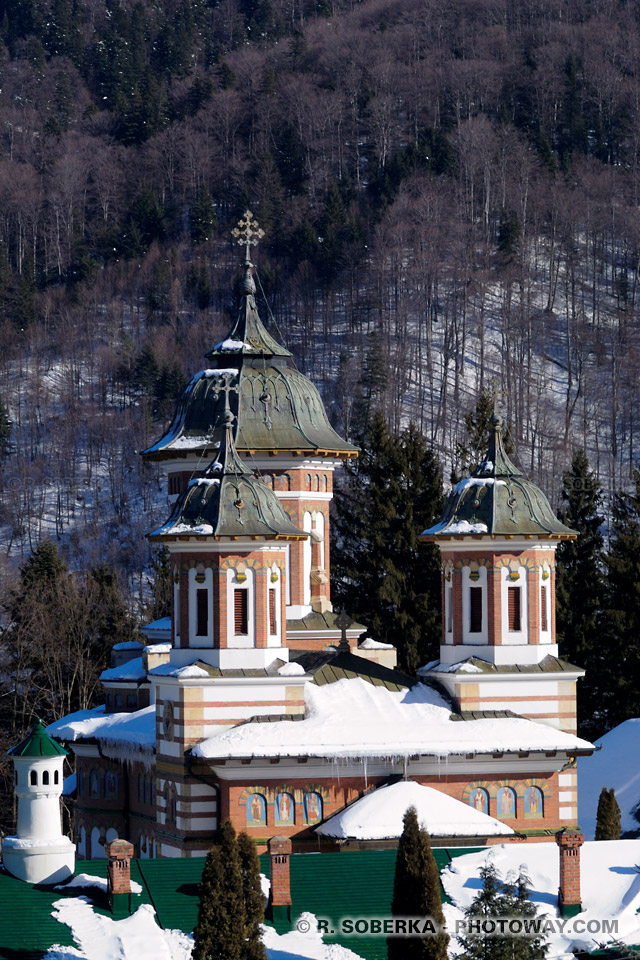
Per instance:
(161,583)
(254,901)
(220,931)
(580,582)
(620,661)
(5,431)
(416,893)
(391,495)
(372,387)
(608,823)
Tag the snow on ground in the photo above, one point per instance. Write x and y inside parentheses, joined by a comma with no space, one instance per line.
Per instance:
(610,887)
(379,814)
(353,718)
(616,764)
(139,937)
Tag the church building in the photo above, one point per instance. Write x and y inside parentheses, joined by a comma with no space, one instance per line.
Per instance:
(254,701)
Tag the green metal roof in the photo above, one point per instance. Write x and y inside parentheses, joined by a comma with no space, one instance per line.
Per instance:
(228,501)
(37,744)
(277,408)
(497,500)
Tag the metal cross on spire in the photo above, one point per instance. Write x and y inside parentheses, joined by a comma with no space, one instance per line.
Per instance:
(226,388)
(248,233)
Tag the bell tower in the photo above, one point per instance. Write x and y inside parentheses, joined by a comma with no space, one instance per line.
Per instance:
(497,538)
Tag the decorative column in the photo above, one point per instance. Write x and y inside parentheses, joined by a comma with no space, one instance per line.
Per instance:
(119,854)
(569,899)
(280,897)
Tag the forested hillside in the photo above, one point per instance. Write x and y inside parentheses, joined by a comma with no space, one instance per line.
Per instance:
(450,194)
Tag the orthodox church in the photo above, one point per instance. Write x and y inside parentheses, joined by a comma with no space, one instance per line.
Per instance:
(254,701)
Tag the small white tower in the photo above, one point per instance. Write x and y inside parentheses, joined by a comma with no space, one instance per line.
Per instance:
(39,853)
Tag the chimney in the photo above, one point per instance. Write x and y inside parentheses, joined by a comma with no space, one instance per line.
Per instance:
(280,898)
(119,854)
(569,843)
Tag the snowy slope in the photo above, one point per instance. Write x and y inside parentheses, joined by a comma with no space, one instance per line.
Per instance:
(616,764)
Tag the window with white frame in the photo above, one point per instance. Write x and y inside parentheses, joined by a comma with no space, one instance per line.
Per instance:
(240,607)
(545,605)
(201,607)
(176,603)
(274,586)
(307,525)
(474,605)
(448,607)
(515,626)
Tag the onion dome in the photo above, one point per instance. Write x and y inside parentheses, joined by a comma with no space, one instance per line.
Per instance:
(228,502)
(497,500)
(37,744)
(277,409)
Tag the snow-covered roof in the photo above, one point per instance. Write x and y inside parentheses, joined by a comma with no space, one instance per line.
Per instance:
(370,644)
(190,671)
(127,734)
(378,815)
(617,765)
(353,718)
(132,670)
(127,645)
(157,626)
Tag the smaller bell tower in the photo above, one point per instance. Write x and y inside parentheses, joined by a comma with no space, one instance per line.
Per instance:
(39,852)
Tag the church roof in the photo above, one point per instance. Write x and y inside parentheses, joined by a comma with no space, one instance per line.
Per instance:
(499,501)
(228,501)
(37,744)
(277,407)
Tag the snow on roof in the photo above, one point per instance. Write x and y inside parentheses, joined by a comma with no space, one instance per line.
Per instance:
(353,718)
(370,644)
(127,733)
(291,670)
(378,815)
(164,623)
(128,645)
(189,672)
(611,766)
(461,526)
(610,888)
(131,670)
(158,648)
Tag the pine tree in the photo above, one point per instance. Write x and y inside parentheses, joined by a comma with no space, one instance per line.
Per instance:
(161,584)
(416,893)
(495,900)
(44,566)
(254,901)
(620,661)
(391,495)
(221,927)
(371,388)
(608,823)
(580,582)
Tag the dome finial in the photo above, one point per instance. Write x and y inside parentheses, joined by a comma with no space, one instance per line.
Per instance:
(248,233)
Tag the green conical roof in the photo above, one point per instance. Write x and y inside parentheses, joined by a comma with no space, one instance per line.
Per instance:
(228,501)
(37,744)
(277,408)
(497,500)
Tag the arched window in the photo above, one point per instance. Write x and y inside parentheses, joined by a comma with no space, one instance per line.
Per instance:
(171,803)
(81,841)
(33,778)
(140,788)
(268,479)
(312,805)
(256,810)
(515,605)
(307,481)
(45,778)
(240,607)
(533,802)
(479,800)
(285,809)
(119,701)
(316,482)
(506,803)
(97,851)
(474,605)
(325,485)
(201,607)
(167,721)
(111,835)
(81,782)
(56,776)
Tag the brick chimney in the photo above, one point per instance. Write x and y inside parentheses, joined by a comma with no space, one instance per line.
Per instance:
(280,898)
(119,854)
(569,899)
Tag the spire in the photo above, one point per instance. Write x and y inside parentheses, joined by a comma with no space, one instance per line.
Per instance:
(37,744)
(496,462)
(248,335)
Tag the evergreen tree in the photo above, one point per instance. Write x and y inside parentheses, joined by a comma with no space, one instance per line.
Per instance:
(608,824)
(160,583)
(620,661)
(495,900)
(202,216)
(371,389)
(391,495)
(43,568)
(221,928)
(580,582)
(145,369)
(478,424)
(416,893)
(254,901)
(113,621)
